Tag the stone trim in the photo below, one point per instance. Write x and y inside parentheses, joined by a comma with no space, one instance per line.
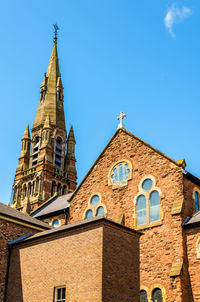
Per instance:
(22,223)
(147,195)
(198,247)
(161,287)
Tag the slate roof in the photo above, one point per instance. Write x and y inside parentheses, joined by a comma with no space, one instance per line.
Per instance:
(11,213)
(78,224)
(193,221)
(52,206)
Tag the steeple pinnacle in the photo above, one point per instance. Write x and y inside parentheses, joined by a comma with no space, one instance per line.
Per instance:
(51,93)
(26,133)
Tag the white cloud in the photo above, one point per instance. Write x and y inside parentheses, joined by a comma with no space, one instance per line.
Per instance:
(175,15)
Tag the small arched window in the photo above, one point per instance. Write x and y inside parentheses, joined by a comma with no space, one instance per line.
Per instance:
(89,214)
(157,295)
(197,201)
(58,153)
(143,296)
(100,211)
(55,223)
(35,151)
(141,210)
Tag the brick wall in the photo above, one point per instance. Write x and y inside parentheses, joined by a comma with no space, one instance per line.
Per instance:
(8,232)
(81,259)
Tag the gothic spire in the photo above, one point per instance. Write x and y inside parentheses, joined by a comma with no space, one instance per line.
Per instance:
(51,99)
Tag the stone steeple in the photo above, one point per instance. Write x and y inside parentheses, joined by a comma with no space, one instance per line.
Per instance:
(45,164)
(51,95)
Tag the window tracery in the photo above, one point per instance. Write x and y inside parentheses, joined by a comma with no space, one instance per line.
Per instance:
(120,173)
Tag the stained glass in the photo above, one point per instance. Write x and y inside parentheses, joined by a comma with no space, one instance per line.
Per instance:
(154,206)
(94,200)
(147,184)
(197,203)
(120,174)
(100,211)
(141,210)
(89,214)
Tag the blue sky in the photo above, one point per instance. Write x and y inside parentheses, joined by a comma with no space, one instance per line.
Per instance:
(140,57)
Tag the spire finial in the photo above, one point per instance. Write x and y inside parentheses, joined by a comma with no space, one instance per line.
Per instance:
(120,118)
(56,28)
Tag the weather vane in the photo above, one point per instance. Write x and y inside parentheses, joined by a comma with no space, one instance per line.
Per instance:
(56,28)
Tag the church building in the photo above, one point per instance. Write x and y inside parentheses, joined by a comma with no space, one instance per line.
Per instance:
(130,231)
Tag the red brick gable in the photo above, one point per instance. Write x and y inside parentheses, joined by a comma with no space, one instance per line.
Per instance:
(145,160)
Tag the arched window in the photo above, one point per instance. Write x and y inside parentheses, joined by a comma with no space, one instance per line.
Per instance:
(197,201)
(35,151)
(100,211)
(147,203)
(141,210)
(58,154)
(53,188)
(143,296)
(94,200)
(59,189)
(64,189)
(157,295)
(55,223)
(89,214)
(95,207)
(154,206)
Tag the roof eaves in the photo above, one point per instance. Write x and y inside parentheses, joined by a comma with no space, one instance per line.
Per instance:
(44,204)
(38,226)
(77,225)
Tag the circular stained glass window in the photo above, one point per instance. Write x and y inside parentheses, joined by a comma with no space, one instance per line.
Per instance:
(147,184)
(56,223)
(94,200)
(120,174)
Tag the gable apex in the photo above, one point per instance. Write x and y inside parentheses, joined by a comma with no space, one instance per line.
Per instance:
(108,144)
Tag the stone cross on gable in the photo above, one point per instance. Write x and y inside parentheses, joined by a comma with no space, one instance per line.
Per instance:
(120,118)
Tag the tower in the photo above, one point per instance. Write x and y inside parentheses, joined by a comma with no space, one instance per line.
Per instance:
(47,163)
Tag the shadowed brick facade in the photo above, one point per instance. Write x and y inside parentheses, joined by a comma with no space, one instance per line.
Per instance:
(12,226)
(97,260)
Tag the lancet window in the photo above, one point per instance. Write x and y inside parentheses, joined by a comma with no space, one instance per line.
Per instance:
(35,151)
(147,203)
(58,154)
